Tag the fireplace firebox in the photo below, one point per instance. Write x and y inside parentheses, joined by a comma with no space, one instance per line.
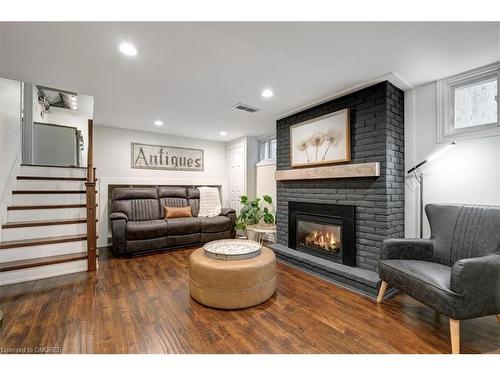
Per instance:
(322,230)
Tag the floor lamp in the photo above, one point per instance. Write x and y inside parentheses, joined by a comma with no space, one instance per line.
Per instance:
(419,176)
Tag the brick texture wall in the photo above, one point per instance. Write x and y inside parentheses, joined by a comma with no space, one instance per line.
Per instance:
(377,135)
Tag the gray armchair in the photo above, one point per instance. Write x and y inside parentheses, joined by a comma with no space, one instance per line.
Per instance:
(457,271)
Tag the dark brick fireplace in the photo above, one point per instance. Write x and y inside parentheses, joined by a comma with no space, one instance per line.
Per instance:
(377,135)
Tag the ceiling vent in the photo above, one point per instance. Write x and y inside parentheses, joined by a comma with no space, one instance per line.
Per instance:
(246,108)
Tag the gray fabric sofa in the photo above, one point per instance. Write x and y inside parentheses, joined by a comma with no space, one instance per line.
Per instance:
(457,271)
(138,223)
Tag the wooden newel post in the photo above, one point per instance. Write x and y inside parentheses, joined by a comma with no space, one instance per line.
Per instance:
(90,203)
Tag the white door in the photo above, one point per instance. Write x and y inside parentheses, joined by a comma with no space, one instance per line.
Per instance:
(236,175)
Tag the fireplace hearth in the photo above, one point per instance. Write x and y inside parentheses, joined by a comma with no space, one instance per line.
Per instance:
(323,230)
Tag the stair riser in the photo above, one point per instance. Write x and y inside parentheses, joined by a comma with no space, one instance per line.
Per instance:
(26,233)
(50,214)
(49,185)
(40,251)
(51,172)
(42,199)
(36,273)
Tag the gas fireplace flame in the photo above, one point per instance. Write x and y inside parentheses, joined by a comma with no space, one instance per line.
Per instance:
(322,240)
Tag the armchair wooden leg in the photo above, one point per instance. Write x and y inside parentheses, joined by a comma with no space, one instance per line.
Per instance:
(381,292)
(455,336)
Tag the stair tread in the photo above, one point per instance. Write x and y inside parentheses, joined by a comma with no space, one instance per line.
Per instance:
(39,223)
(42,241)
(49,178)
(45,261)
(46,206)
(52,191)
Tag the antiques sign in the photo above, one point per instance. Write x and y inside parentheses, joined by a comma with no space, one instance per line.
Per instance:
(166,157)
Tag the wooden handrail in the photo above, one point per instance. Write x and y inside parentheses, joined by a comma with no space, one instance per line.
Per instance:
(90,202)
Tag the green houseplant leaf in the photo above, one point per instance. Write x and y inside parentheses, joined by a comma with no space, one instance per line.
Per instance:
(268,199)
(252,212)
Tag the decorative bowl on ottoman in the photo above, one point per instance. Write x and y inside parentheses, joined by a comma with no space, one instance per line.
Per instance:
(232,249)
(231,282)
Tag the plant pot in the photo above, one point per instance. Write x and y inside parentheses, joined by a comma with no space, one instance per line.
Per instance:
(252,235)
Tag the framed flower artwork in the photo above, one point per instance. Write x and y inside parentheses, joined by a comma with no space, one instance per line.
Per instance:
(323,140)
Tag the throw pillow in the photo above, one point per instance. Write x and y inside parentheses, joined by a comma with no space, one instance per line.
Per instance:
(209,202)
(175,212)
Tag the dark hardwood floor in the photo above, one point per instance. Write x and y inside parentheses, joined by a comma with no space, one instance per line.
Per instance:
(142,305)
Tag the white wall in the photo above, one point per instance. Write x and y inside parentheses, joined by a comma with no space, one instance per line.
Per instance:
(1,49)
(112,160)
(77,119)
(266,179)
(468,173)
(10,139)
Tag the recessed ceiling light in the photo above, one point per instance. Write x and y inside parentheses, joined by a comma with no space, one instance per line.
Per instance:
(158,123)
(223,133)
(267,93)
(128,49)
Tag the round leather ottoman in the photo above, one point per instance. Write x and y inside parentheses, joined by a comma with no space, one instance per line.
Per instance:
(232,284)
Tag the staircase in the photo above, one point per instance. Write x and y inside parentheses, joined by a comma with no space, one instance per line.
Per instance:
(46,230)
(45,234)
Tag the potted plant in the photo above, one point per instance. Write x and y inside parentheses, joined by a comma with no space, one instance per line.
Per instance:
(253,212)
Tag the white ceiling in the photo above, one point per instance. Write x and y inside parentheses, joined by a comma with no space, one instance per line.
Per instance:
(190,74)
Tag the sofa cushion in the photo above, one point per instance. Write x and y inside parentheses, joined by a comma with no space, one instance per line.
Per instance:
(195,206)
(172,192)
(147,245)
(145,209)
(146,229)
(433,274)
(183,225)
(134,193)
(173,202)
(215,224)
(173,196)
(137,204)
(184,240)
(193,193)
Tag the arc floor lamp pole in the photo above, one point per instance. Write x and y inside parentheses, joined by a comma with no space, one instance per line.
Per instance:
(419,177)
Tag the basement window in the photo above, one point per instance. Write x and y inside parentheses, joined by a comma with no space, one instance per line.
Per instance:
(267,148)
(468,104)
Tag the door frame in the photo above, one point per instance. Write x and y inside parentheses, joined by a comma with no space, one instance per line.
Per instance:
(241,144)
